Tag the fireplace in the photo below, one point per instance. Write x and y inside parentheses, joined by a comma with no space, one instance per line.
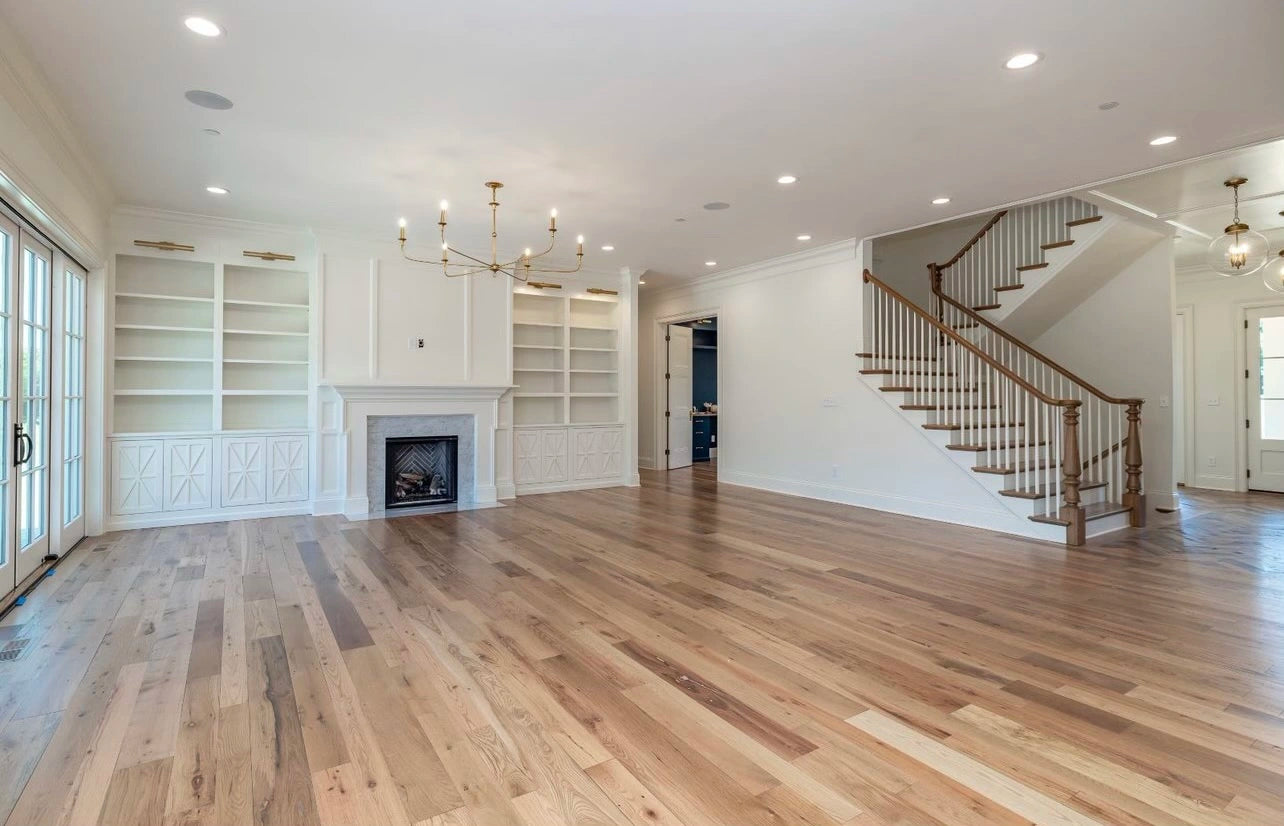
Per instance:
(421,470)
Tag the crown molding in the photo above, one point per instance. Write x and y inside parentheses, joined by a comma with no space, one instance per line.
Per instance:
(192,219)
(835,253)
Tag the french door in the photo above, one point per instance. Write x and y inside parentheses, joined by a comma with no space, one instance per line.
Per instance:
(29,522)
(1265,340)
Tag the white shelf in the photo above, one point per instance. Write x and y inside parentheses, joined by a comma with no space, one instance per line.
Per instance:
(538,395)
(593,327)
(537,370)
(166,359)
(280,304)
(595,349)
(536,347)
(205,392)
(265,361)
(164,297)
(607,372)
(227,392)
(534,324)
(162,327)
(263,333)
(595,395)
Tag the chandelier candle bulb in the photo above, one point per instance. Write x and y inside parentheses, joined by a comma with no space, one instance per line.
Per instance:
(552,221)
(402,225)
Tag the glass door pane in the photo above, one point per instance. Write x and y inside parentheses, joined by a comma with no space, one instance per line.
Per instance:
(33,407)
(73,399)
(8,259)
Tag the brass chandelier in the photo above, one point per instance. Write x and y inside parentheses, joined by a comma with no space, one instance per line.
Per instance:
(519,269)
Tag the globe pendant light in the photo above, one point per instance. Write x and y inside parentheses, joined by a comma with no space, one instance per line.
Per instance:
(1240,251)
(1273,274)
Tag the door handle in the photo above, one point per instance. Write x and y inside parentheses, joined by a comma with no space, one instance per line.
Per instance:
(21,440)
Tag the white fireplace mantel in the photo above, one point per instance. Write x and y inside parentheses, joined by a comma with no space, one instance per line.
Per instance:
(347,408)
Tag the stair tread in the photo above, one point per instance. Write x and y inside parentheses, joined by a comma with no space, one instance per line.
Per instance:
(909,388)
(968,325)
(881,356)
(1043,490)
(1081,221)
(1027,267)
(1097,510)
(948,407)
(986,307)
(1005,287)
(1004,470)
(1002,446)
(945,426)
(1052,245)
(887,371)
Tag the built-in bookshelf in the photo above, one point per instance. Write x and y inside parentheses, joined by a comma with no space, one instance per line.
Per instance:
(565,360)
(202,347)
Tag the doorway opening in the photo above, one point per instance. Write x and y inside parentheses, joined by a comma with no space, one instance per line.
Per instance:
(690,392)
(1264,397)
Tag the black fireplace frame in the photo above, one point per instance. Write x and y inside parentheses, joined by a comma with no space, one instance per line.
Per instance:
(389,480)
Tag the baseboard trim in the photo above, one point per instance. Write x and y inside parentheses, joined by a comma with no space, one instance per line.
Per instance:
(506,490)
(169,519)
(647,463)
(327,507)
(1000,520)
(563,487)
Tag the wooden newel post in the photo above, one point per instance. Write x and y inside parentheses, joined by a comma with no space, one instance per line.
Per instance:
(1133,498)
(934,273)
(1071,471)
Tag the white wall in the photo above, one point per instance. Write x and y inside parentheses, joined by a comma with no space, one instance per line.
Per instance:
(1120,339)
(901,260)
(1217,305)
(788,330)
(44,169)
(374,302)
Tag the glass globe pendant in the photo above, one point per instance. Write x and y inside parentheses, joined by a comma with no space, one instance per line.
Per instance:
(1239,251)
(1273,274)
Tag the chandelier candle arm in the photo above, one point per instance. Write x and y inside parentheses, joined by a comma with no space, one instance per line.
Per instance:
(519,269)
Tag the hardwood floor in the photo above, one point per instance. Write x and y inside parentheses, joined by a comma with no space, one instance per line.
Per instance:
(675,654)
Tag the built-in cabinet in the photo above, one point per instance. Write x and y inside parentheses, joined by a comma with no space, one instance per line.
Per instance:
(568,427)
(211,376)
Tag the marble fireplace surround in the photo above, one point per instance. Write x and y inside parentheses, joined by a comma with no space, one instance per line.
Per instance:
(371,413)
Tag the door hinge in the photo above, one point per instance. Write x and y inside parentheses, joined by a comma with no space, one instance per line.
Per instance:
(1247,426)
(1248,474)
(666,451)
(667,338)
(1245,373)
(668,376)
(667,414)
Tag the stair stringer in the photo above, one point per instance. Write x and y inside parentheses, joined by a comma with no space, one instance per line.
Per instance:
(1100,252)
(1012,515)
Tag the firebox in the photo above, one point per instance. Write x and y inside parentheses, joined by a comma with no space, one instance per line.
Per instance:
(422,470)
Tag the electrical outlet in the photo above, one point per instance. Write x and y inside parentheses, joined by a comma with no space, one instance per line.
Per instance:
(1214,401)
(415,343)
(829,402)
(1212,461)
(1163,401)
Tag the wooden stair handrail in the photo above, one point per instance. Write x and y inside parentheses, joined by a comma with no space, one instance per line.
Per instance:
(979,235)
(989,360)
(990,325)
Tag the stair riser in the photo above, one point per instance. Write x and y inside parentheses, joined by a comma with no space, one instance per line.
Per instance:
(991,458)
(1087,497)
(1107,524)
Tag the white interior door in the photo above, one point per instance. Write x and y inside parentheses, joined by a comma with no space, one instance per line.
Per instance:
(679,418)
(1265,340)
(1179,398)
(32,429)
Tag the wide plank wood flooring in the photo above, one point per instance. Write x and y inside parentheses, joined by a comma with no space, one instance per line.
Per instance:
(676,654)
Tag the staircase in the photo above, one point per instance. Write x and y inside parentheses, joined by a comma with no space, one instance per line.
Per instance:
(1045,442)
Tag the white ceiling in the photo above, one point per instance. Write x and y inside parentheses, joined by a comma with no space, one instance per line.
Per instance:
(627,115)
(1194,195)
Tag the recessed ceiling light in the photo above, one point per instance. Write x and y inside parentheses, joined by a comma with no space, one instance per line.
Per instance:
(1023,61)
(216,190)
(608,248)
(213,133)
(208,100)
(711,263)
(941,201)
(641,283)
(787,179)
(804,237)
(1108,105)
(717,205)
(679,220)
(1163,140)
(203,27)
